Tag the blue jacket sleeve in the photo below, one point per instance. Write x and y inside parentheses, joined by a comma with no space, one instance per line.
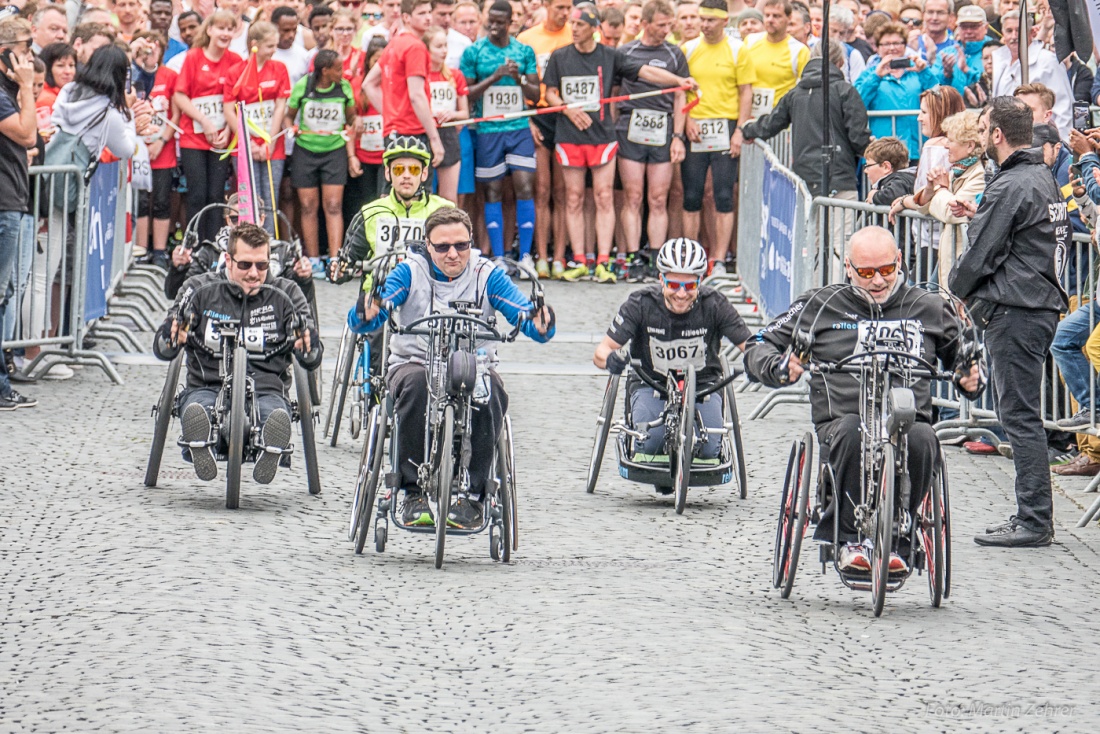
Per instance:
(868,82)
(505,297)
(396,292)
(1089,164)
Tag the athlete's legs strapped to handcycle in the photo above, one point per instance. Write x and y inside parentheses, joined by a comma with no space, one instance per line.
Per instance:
(841,449)
(409,386)
(266,404)
(646,405)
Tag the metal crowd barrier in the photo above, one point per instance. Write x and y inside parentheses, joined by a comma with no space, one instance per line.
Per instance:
(47,309)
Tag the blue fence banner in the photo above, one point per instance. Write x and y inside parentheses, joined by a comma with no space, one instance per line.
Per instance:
(102,205)
(777,231)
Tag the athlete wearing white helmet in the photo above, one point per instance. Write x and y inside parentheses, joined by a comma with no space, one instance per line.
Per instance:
(669,326)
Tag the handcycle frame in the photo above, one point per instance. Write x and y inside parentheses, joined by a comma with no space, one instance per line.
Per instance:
(881,511)
(229,418)
(681,471)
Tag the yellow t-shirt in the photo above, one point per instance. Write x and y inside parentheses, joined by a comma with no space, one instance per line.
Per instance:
(544,43)
(778,66)
(719,69)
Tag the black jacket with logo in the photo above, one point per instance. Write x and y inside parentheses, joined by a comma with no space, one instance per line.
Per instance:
(270,315)
(1018,240)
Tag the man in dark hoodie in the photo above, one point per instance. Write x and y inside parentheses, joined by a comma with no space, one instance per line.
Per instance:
(1009,276)
(801,109)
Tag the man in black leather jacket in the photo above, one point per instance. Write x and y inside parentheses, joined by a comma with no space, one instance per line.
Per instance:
(832,321)
(276,320)
(1010,276)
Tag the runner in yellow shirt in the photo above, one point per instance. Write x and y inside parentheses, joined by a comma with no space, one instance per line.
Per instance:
(777,58)
(724,72)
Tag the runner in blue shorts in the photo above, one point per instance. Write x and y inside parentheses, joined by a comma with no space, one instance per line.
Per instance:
(502,73)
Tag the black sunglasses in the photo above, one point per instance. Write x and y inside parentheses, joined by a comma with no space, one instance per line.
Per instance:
(245,265)
(444,248)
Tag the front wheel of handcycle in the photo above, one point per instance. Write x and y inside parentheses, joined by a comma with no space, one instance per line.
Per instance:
(502,535)
(883,528)
(603,429)
(164,419)
(341,358)
(735,431)
(237,422)
(933,528)
(685,440)
(340,388)
(309,430)
(444,474)
(315,377)
(370,474)
(793,512)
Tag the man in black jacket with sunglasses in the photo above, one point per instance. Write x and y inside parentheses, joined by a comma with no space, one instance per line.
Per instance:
(831,323)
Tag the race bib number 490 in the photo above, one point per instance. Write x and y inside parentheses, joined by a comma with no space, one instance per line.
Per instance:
(501,100)
(444,97)
(582,90)
(212,108)
(677,354)
(393,232)
(714,136)
(903,335)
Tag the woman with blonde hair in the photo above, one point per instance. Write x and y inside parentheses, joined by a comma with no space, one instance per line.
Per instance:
(450,101)
(962,180)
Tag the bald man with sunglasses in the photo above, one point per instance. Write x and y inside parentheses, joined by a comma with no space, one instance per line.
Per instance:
(449,269)
(831,322)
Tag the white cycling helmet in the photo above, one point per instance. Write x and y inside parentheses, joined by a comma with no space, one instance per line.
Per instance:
(682,255)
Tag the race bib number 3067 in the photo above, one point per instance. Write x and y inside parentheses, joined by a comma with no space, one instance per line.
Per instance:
(677,354)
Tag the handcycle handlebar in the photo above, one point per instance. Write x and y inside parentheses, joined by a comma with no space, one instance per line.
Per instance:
(636,365)
(490,332)
(848,365)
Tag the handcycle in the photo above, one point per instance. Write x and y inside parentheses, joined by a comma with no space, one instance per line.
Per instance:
(353,375)
(888,411)
(285,250)
(235,421)
(685,436)
(452,372)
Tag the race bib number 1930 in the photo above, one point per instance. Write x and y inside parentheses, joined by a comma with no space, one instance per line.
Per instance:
(677,354)
(501,100)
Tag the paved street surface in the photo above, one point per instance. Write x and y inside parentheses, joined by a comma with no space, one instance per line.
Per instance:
(158,610)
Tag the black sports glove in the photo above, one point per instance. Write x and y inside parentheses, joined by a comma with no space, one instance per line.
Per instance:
(616,363)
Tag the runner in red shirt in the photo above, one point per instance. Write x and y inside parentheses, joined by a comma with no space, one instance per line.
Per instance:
(343,41)
(264,91)
(450,101)
(162,155)
(200,90)
(399,84)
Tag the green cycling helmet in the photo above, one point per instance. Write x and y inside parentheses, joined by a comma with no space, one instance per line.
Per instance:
(406,146)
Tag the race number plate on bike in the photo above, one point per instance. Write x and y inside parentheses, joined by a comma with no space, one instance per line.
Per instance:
(322,116)
(212,338)
(582,90)
(677,354)
(903,335)
(254,339)
(395,231)
(444,97)
(260,114)
(763,101)
(211,107)
(714,136)
(501,100)
(371,139)
(648,127)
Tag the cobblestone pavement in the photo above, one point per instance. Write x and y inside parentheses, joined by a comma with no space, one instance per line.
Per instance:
(134,609)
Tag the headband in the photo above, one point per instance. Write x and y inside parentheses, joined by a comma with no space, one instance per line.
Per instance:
(587,15)
(713,13)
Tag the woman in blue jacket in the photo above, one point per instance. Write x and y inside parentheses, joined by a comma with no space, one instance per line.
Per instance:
(886,88)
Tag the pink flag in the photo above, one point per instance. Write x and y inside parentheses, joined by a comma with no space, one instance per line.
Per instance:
(248,204)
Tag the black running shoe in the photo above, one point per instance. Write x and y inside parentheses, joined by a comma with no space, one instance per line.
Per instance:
(275,436)
(196,430)
(15,401)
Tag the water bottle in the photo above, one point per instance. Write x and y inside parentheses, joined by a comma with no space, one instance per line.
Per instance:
(481,384)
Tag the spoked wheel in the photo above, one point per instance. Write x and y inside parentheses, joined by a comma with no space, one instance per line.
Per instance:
(931,519)
(341,358)
(444,474)
(793,510)
(884,529)
(500,537)
(164,419)
(309,431)
(340,390)
(511,453)
(946,529)
(603,429)
(315,377)
(685,441)
(370,473)
(735,420)
(355,417)
(237,437)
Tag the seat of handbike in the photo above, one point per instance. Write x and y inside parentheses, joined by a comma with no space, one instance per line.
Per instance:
(656,469)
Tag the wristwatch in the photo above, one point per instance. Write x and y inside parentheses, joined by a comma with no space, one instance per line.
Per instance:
(680,136)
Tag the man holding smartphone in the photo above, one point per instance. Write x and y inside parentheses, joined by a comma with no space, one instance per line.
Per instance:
(18,132)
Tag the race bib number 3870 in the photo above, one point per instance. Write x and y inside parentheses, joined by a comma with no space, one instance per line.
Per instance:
(392,232)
